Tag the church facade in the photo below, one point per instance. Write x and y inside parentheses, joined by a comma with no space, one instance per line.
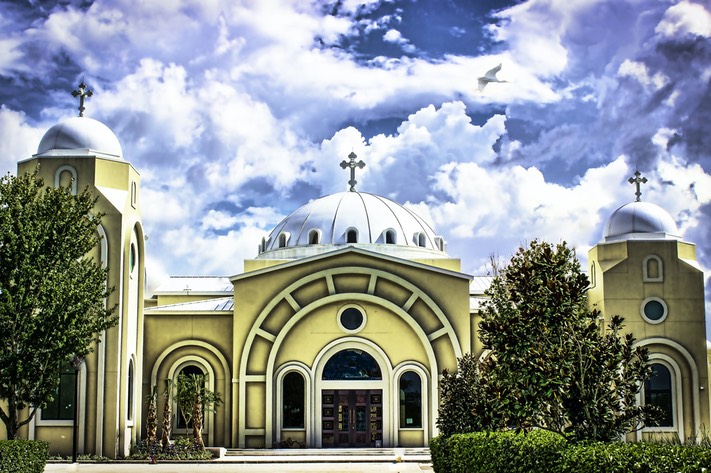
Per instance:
(336,332)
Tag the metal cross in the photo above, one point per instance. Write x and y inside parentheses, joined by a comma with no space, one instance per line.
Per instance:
(636,180)
(353,165)
(82,93)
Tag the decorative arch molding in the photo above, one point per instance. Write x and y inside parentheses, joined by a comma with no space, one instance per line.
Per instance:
(58,177)
(287,295)
(677,398)
(650,262)
(429,400)
(227,391)
(206,367)
(304,370)
(693,369)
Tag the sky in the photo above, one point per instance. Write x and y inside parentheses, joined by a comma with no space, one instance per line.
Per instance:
(237,112)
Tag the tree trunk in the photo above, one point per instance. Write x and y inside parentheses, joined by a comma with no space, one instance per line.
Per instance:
(167,418)
(197,420)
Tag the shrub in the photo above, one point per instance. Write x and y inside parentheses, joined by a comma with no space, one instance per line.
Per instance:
(183,448)
(23,456)
(545,452)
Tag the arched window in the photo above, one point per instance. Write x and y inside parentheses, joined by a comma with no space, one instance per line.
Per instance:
(129,394)
(134,194)
(352,236)
(390,237)
(410,400)
(421,239)
(132,258)
(352,364)
(282,240)
(313,237)
(293,401)
(66,176)
(658,392)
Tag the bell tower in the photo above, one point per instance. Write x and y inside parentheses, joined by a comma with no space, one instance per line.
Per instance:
(79,153)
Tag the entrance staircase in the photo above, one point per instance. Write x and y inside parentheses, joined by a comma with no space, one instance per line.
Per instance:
(328,455)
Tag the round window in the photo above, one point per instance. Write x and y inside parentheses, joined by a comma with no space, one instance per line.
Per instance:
(351,319)
(654,310)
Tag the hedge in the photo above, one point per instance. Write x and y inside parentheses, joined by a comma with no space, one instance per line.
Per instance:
(547,452)
(23,456)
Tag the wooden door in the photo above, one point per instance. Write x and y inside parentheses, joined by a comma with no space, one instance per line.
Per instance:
(352,418)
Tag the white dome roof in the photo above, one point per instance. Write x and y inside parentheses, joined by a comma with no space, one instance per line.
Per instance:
(80,135)
(374,222)
(640,220)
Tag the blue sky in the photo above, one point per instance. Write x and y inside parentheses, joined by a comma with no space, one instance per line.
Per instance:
(237,112)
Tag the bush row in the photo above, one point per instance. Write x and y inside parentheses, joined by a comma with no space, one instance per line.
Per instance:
(547,452)
(23,456)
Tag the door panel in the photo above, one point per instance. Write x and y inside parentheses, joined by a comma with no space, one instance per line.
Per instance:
(352,418)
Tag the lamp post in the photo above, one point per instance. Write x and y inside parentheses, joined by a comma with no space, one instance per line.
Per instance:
(77,362)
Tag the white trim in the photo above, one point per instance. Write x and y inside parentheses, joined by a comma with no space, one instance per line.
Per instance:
(362,313)
(254,331)
(661,319)
(427,410)
(58,176)
(383,384)
(225,367)
(695,407)
(204,365)
(294,367)
(645,267)
(677,396)
(101,352)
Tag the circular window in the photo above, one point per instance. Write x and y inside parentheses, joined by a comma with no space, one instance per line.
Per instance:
(654,310)
(351,319)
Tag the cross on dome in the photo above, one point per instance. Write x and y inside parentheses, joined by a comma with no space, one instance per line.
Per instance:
(82,93)
(352,165)
(637,180)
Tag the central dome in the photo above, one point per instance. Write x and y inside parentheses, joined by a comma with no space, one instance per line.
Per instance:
(80,136)
(638,221)
(352,218)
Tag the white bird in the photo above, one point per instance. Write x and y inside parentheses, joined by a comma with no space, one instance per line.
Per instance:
(490,76)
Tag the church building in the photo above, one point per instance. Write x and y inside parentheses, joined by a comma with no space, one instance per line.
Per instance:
(337,331)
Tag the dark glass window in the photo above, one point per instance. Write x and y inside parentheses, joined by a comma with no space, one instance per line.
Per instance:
(654,310)
(132,258)
(313,237)
(351,318)
(658,392)
(390,237)
(351,364)
(62,406)
(410,400)
(130,389)
(352,236)
(293,396)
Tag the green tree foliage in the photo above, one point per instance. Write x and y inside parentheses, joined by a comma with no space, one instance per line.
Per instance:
(193,398)
(552,365)
(52,295)
(463,400)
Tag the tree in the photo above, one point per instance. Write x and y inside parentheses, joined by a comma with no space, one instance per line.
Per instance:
(193,398)
(152,417)
(551,365)
(167,413)
(52,294)
(463,400)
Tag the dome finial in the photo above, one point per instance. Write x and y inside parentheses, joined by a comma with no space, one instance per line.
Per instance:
(82,93)
(636,180)
(353,165)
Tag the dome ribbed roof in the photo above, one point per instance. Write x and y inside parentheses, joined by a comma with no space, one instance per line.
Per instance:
(640,220)
(372,221)
(81,134)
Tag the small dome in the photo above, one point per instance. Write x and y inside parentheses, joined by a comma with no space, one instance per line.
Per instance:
(640,220)
(80,134)
(352,218)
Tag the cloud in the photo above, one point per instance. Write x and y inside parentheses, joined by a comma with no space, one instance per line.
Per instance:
(685,18)
(18,140)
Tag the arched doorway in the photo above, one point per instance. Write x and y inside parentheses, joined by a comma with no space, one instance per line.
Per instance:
(352,399)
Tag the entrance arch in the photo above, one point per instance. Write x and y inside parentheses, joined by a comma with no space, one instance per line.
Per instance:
(353,403)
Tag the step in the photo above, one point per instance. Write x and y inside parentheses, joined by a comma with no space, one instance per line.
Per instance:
(330,455)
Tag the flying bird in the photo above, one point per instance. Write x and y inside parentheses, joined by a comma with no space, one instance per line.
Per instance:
(490,76)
